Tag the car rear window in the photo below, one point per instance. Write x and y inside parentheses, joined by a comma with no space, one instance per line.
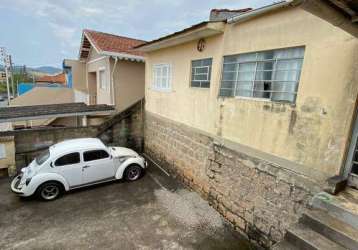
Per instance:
(69,159)
(95,155)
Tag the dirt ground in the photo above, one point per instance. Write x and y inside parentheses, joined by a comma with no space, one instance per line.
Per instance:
(155,212)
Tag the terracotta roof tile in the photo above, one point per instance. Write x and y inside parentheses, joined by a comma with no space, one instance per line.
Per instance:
(113,43)
(59,78)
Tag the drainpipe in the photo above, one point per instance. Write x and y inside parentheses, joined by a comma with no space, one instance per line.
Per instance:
(112,79)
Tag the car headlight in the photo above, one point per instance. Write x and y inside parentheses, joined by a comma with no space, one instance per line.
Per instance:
(27,182)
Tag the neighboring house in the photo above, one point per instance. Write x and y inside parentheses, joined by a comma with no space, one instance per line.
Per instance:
(52,79)
(254,112)
(45,96)
(7,150)
(108,69)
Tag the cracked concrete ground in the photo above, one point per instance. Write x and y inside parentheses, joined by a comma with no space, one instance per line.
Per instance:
(153,213)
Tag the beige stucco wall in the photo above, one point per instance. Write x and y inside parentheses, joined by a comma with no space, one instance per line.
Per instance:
(9,159)
(128,83)
(78,74)
(313,132)
(96,63)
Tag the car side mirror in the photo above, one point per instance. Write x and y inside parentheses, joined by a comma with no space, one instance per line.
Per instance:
(51,164)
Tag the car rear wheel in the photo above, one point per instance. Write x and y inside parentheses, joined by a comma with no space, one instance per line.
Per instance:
(49,191)
(133,173)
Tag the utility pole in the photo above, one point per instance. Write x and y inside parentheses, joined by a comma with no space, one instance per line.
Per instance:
(12,77)
(6,60)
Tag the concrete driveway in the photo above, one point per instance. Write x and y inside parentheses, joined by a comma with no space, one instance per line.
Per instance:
(152,213)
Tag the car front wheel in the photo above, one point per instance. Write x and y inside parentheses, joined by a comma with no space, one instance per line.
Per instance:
(133,172)
(49,191)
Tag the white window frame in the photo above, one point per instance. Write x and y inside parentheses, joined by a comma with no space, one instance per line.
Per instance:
(157,80)
(194,73)
(102,84)
(2,151)
(271,81)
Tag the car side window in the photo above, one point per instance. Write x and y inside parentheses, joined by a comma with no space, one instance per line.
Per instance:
(95,155)
(69,159)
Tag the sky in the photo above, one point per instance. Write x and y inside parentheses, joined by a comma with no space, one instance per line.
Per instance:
(44,32)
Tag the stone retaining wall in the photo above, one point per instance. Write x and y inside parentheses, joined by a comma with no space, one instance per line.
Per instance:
(259,198)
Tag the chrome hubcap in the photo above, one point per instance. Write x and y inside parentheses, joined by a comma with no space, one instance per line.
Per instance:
(50,192)
(133,174)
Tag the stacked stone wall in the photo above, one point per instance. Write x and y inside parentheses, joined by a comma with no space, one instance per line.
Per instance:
(257,197)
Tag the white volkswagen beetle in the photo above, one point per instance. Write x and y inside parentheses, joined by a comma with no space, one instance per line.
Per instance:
(76,163)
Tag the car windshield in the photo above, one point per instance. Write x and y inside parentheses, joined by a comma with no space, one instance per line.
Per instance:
(41,158)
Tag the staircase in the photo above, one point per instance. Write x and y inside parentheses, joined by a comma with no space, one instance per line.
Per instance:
(331,223)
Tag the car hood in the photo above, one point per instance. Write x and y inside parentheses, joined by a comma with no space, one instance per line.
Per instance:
(121,151)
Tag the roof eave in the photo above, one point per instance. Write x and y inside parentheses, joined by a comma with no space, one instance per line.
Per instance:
(264,10)
(202,30)
(123,56)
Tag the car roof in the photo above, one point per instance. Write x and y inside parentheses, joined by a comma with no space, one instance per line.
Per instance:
(76,145)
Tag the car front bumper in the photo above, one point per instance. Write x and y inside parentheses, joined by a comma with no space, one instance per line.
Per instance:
(18,188)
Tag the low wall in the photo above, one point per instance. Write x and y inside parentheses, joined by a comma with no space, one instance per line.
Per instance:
(124,129)
(259,198)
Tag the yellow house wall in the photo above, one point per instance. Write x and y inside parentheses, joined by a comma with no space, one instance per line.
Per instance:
(128,83)
(9,159)
(314,132)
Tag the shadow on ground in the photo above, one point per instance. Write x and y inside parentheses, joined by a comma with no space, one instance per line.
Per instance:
(155,212)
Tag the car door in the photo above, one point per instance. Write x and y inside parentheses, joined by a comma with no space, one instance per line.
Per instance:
(98,166)
(70,167)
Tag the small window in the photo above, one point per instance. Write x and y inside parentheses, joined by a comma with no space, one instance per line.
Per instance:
(2,151)
(68,159)
(161,77)
(102,79)
(201,73)
(95,155)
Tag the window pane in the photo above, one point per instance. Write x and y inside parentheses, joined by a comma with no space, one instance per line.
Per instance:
(264,75)
(244,89)
(266,55)
(230,67)
(228,84)
(95,155)
(226,92)
(68,159)
(207,62)
(247,57)
(262,89)
(284,91)
(200,77)
(247,67)
(265,65)
(230,59)
(205,84)
(231,76)
(195,84)
(246,76)
(202,70)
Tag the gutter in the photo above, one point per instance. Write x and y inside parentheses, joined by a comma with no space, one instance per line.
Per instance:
(123,56)
(112,79)
(254,13)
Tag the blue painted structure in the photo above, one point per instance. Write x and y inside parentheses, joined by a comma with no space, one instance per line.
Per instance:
(68,72)
(24,87)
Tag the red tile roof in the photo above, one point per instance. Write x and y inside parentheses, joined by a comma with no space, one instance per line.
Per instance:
(59,78)
(113,43)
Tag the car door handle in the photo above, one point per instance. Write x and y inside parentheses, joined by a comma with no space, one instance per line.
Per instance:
(85,167)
